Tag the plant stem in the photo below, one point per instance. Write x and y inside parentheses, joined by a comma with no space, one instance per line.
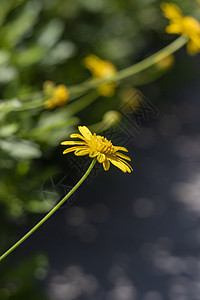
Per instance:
(79,89)
(81,103)
(135,69)
(51,212)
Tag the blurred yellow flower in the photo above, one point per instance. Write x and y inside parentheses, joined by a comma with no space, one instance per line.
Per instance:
(58,96)
(184,25)
(101,69)
(98,146)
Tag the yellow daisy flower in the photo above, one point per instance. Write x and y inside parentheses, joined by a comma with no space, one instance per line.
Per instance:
(98,146)
(101,69)
(59,97)
(184,25)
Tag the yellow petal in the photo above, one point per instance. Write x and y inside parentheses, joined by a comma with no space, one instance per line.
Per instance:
(82,152)
(119,165)
(125,162)
(171,11)
(69,150)
(85,132)
(101,157)
(129,167)
(193,46)
(98,67)
(192,49)
(91,62)
(123,156)
(93,153)
(106,165)
(76,135)
(120,148)
(191,26)
(72,143)
(175,28)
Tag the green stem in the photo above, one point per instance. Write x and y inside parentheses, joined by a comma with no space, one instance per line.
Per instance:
(80,104)
(73,106)
(135,69)
(35,104)
(79,89)
(51,212)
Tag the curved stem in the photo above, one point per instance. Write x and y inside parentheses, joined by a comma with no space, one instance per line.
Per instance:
(135,69)
(73,106)
(79,89)
(81,103)
(51,212)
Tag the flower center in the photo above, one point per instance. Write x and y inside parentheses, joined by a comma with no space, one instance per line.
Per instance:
(101,144)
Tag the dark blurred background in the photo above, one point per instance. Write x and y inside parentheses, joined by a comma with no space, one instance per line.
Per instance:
(123,236)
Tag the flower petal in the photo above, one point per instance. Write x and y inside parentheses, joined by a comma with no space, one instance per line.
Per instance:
(192,48)
(106,165)
(129,168)
(123,156)
(171,11)
(120,148)
(76,135)
(85,132)
(176,28)
(121,164)
(126,163)
(82,152)
(101,157)
(93,153)
(72,143)
(71,149)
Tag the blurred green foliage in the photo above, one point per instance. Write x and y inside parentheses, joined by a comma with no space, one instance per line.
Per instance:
(18,282)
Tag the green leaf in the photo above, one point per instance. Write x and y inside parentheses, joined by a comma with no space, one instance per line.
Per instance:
(8,129)
(20,148)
